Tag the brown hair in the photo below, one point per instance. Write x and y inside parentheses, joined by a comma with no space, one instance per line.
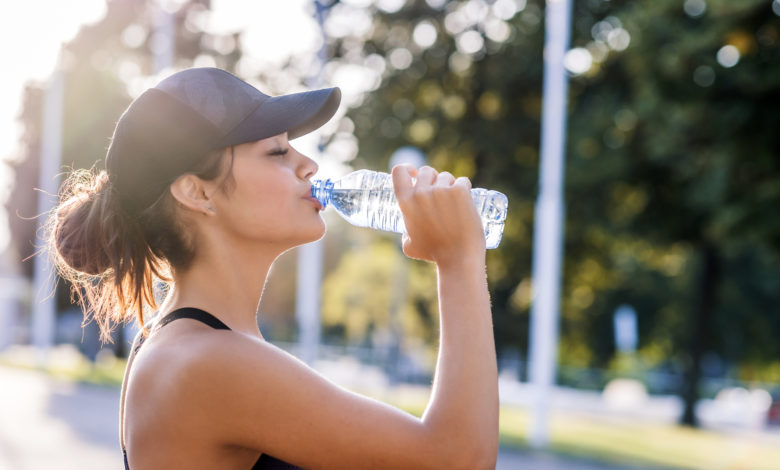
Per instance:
(113,260)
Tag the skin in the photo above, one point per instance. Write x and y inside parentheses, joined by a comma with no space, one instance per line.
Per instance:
(197,398)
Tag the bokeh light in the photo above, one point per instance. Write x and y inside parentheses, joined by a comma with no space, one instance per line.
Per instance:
(134,36)
(695,8)
(507,9)
(578,60)
(459,62)
(437,4)
(424,34)
(497,30)
(601,30)
(470,42)
(618,39)
(390,6)
(728,56)
(704,76)
(400,58)
(455,22)
(598,51)
(475,10)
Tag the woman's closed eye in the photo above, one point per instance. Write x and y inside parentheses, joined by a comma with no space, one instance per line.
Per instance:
(278,152)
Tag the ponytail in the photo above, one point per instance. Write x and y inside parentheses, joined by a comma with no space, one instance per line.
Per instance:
(113,260)
(102,252)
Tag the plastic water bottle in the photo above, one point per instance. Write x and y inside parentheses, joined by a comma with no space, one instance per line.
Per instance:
(365,198)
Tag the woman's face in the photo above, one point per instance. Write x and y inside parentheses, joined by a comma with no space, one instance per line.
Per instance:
(269,199)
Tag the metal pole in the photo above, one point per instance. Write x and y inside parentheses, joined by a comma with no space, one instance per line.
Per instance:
(44,308)
(309,282)
(548,229)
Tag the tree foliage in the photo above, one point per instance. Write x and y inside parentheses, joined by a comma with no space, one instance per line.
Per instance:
(375,292)
(672,172)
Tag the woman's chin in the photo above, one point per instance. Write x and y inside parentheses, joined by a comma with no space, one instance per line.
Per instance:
(317,234)
(311,235)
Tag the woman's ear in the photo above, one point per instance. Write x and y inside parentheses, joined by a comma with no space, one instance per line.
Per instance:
(191,192)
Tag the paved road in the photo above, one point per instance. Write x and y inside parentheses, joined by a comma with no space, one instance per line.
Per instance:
(47,423)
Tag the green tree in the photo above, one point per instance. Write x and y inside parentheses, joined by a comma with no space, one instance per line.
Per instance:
(680,127)
(672,171)
(375,292)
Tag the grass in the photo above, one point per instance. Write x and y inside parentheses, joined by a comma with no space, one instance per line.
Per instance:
(635,442)
(66,363)
(580,435)
(629,442)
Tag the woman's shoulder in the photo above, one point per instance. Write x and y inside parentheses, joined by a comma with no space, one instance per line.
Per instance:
(184,351)
(185,374)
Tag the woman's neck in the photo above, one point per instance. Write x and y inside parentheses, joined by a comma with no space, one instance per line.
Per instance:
(226,283)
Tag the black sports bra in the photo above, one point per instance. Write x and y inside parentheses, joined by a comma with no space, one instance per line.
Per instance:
(265,462)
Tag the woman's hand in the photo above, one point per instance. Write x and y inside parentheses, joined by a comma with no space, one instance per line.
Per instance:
(441,221)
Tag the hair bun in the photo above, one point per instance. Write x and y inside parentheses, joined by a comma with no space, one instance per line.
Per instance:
(82,228)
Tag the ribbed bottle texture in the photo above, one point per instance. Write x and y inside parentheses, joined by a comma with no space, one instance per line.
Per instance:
(365,198)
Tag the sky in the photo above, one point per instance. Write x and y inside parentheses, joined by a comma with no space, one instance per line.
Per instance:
(42,26)
(41,34)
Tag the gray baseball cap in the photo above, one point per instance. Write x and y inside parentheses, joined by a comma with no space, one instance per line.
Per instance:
(171,127)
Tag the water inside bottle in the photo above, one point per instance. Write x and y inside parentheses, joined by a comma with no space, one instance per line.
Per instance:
(375,208)
(378,209)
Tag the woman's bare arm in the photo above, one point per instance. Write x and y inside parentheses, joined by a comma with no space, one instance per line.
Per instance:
(445,228)
(465,389)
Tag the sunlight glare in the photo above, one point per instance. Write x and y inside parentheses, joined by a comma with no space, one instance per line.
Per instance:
(30,40)
(270,38)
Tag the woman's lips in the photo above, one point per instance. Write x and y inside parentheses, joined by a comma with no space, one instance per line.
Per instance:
(315,201)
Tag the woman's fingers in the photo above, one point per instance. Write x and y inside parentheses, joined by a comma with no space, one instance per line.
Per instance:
(445,179)
(438,212)
(463,181)
(426,176)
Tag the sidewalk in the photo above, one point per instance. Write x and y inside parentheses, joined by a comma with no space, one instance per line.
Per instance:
(45,423)
(49,423)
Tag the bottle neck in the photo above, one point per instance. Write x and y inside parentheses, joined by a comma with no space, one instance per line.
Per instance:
(321,190)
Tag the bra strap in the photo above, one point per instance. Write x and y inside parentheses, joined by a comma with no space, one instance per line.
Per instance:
(193,314)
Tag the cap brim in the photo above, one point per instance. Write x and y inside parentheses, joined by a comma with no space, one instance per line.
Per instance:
(297,114)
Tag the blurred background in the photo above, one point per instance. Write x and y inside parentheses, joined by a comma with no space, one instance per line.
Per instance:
(666,335)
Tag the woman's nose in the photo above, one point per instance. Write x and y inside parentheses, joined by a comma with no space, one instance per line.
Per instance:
(308,167)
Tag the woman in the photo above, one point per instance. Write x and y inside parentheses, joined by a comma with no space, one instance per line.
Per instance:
(203,189)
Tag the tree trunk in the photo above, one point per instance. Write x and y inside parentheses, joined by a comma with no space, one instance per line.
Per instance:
(698,329)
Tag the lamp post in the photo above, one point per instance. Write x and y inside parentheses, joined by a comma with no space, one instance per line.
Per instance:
(549,220)
(44,308)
